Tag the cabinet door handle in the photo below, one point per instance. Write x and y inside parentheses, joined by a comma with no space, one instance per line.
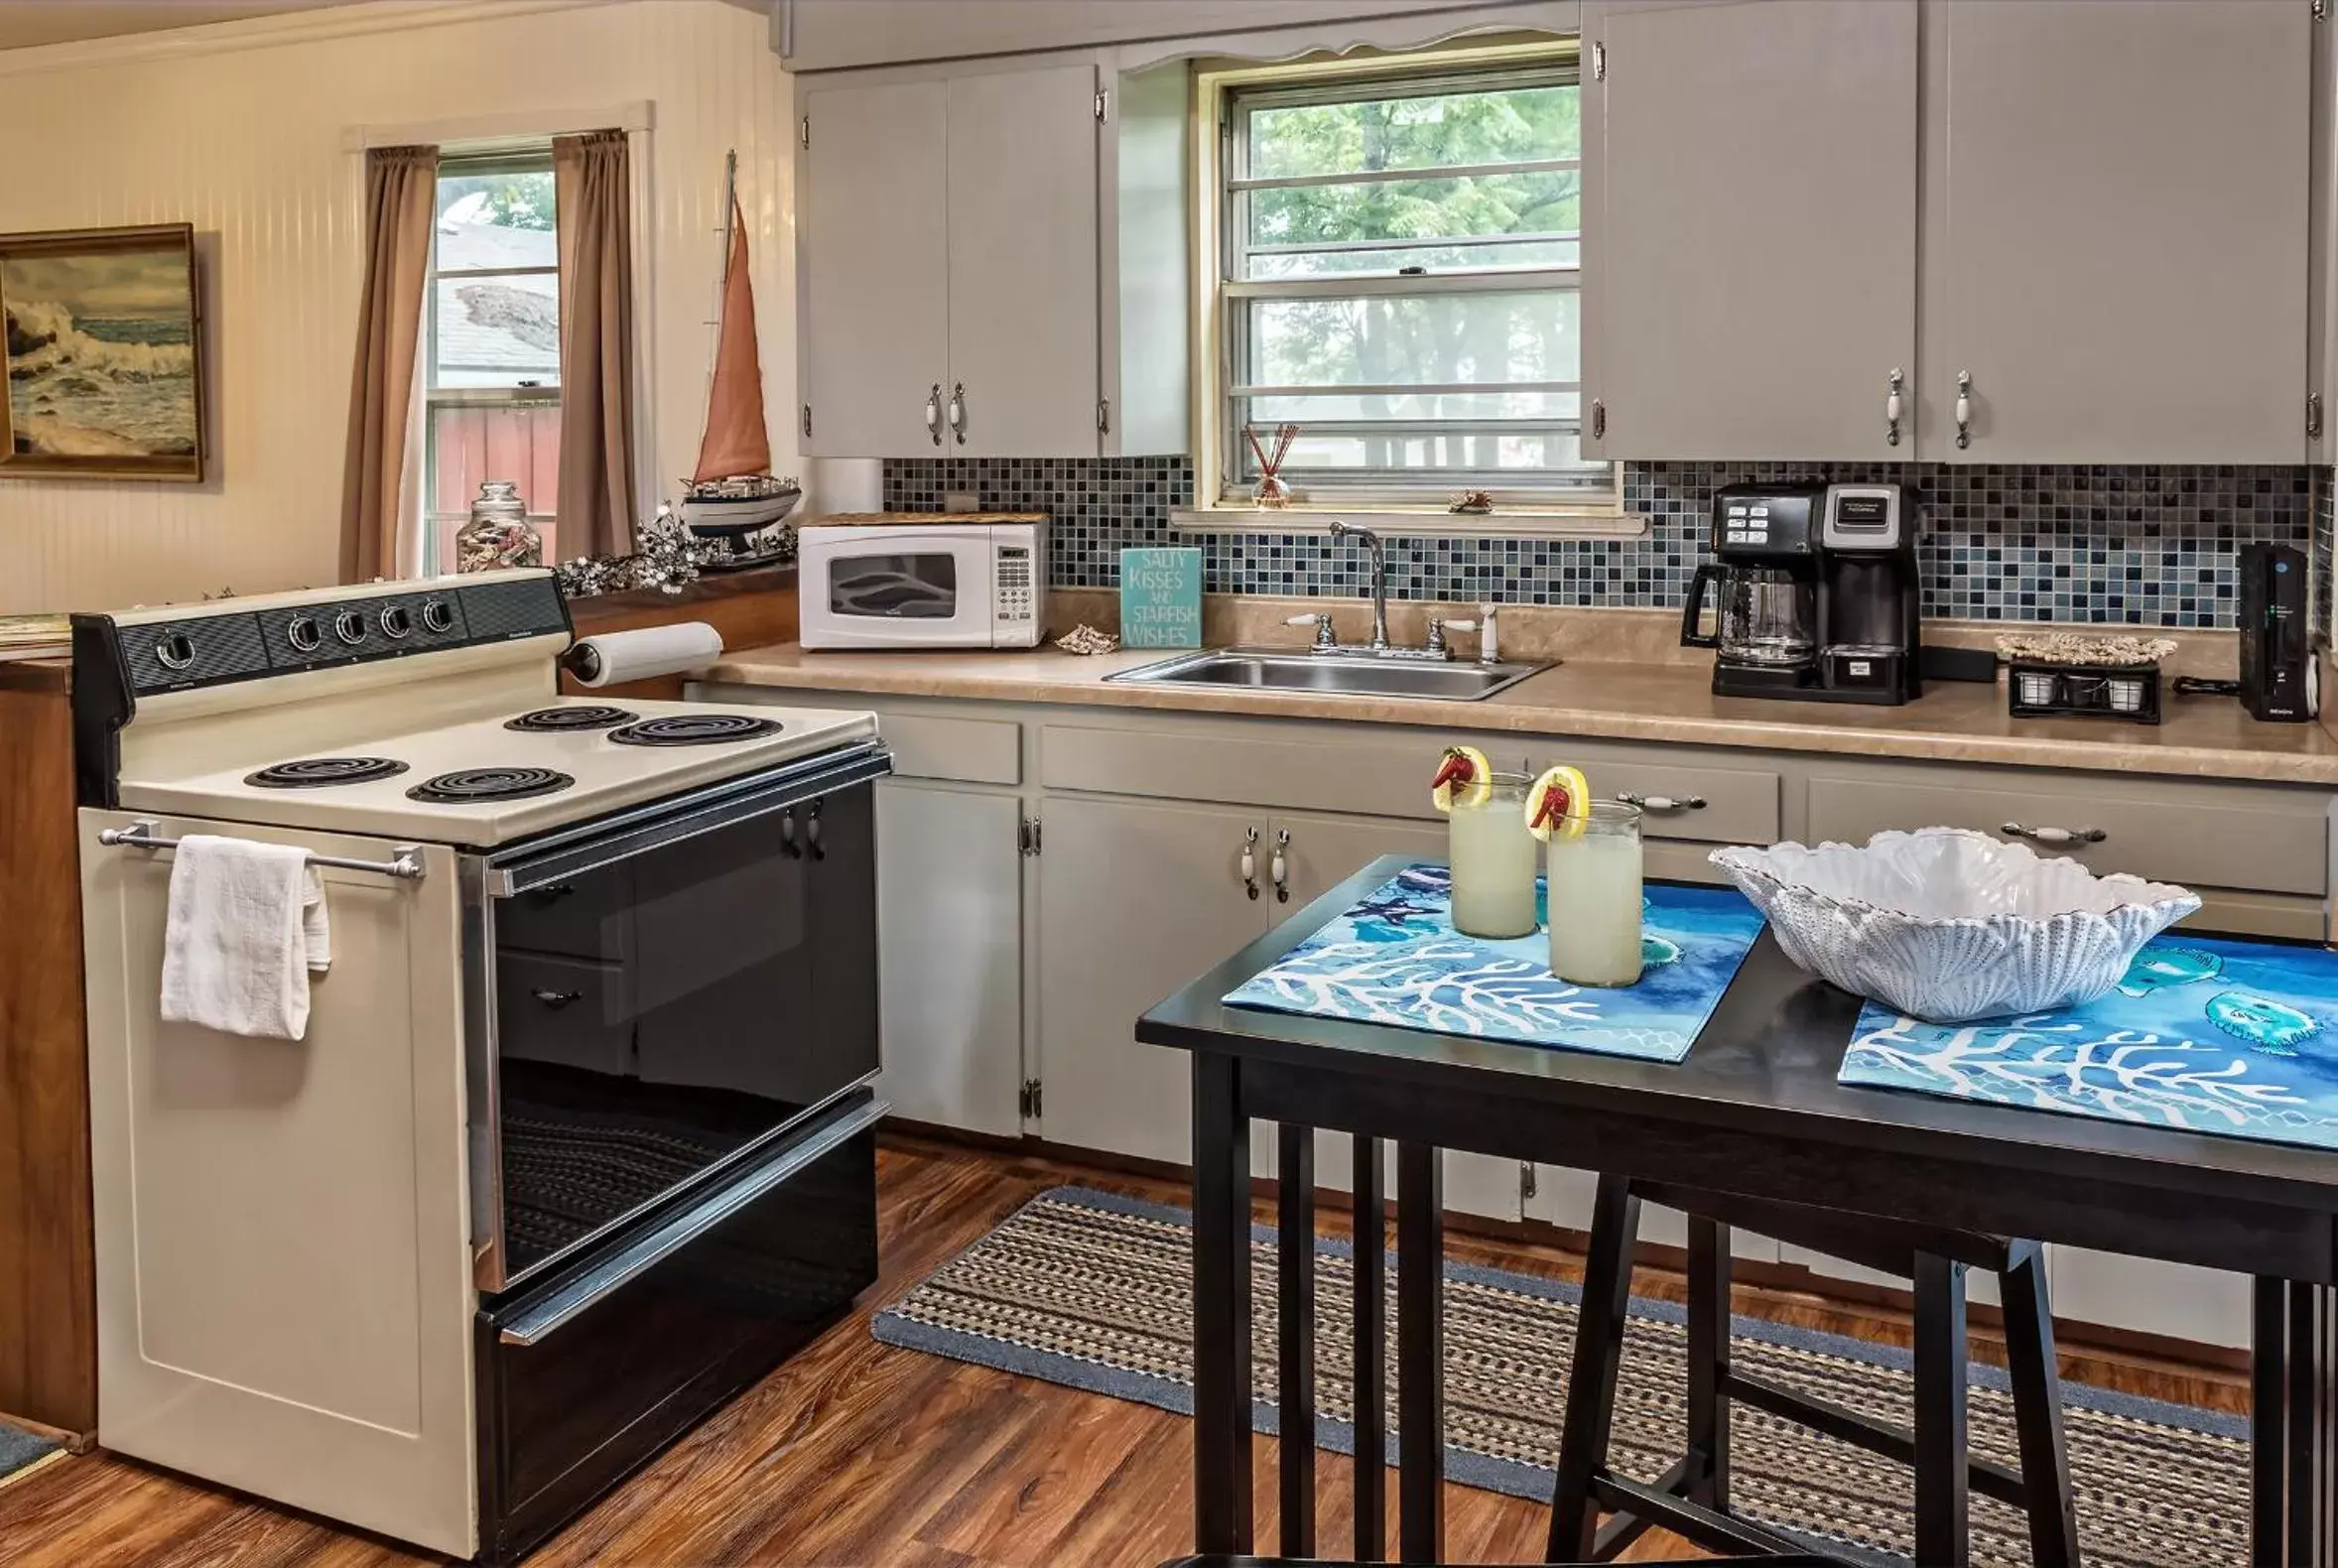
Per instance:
(812,833)
(1964,409)
(1894,406)
(787,836)
(958,412)
(934,413)
(2055,836)
(1661,803)
(1251,861)
(555,998)
(1281,866)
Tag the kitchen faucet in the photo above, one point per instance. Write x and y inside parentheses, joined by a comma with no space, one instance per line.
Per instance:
(1378,555)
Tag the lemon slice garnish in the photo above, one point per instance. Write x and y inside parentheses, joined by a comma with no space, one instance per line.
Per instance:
(1463,774)
(1558,802)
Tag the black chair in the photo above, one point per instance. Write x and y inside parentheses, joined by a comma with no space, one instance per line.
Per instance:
(1691,1498)
(1803,1561)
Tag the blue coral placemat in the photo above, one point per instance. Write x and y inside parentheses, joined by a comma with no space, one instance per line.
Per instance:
(1396,959)
(2237,1038)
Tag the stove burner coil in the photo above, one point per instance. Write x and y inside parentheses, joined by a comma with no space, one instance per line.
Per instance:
(321,772)
(553,721)
(472,785)
(694,729)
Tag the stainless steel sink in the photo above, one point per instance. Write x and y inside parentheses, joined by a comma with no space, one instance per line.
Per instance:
(1356,674)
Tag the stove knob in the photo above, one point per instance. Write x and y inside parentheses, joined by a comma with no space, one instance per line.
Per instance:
(393,622)
(176,651)
(438,615)
(349,626)
(303,633)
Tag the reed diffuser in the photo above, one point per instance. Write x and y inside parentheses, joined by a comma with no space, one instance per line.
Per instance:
(1272,490)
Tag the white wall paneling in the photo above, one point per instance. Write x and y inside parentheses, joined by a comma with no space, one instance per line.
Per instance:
(240,130)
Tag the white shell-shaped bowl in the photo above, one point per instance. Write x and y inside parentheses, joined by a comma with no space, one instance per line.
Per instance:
(1951,925)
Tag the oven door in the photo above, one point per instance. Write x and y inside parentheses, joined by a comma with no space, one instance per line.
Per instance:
(653,1000)
(896,588)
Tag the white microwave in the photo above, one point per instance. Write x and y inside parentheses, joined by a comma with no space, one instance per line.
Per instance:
(922,585)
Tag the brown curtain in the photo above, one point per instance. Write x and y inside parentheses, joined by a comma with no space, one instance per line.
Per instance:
(400,183)
(593,189)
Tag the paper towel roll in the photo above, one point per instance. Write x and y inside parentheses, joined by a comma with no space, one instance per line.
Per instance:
(620,656)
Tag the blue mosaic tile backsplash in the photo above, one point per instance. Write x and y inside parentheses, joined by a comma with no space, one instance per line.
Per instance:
(2138,546)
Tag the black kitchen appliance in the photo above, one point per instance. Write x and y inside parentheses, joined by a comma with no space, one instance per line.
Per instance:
(2278,681)
(1818,597)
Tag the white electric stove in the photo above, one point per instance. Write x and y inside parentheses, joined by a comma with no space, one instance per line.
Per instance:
(579,1139)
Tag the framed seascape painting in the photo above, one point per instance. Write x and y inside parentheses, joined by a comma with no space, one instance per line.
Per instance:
(105,354)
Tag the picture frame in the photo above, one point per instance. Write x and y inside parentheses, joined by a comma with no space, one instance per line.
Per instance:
(101,341)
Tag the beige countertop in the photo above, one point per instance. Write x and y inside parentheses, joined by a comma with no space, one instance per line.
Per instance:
(2204,737)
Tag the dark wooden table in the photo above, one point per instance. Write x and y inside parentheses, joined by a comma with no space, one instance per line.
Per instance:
(1754,1110)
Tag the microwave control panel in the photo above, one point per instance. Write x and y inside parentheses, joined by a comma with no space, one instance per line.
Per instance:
(1014,584)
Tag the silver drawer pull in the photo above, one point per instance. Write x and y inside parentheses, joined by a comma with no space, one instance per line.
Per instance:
(2013,829)
(1661,802)
(555,998)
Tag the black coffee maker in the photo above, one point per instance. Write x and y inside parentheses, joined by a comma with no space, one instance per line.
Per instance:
(1815,593)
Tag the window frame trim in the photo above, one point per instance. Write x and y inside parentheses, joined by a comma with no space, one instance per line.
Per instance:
(1224,97)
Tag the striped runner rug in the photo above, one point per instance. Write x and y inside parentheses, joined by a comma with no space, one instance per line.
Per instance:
(1093,1290)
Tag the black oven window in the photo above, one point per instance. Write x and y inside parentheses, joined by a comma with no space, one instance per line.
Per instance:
(903,588)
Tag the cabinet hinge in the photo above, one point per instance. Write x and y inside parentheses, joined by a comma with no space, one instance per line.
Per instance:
(1099,107)
(1598,62)
(1599,420)
(1526,1187)
(2313,415)
(1028,839)
(1027,1101)
(806,418)
(804,131)
(1103,415)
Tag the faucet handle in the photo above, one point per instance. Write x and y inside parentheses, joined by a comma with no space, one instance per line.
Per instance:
(1438,627)
(1321,620)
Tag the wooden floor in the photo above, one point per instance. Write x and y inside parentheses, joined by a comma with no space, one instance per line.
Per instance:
(860,1453)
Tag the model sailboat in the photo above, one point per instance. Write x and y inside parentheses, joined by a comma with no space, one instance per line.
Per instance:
(733,495)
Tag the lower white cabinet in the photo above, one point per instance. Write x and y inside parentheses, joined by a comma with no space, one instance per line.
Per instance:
(2171,1299)
(950,954)
(1136,897)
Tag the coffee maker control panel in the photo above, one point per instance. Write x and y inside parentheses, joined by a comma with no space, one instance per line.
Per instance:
(1754,525)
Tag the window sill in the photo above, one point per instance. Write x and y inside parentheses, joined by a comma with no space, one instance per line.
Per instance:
(1421,522)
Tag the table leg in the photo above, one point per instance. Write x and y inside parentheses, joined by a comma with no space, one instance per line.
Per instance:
(1591,1380)
(2269,1429)
(2306,1427)
(1708,1396)
(1295,1339)
(1943,1530)
(1420,1348)
(1222,1308)
(1370,1348)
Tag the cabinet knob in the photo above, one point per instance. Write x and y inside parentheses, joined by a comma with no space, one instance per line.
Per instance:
(2055,836)
(1964,409)
(934,413)
(1894,406)
(1251,861)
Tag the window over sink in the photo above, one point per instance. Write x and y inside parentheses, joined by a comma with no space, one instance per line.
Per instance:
(1397,272)
(491,342)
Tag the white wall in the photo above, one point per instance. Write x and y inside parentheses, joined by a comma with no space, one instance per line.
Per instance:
(246,143)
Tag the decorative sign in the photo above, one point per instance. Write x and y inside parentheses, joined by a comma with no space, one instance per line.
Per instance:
(1161,598)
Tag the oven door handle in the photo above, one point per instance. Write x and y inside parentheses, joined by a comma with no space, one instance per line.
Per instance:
(533,1326)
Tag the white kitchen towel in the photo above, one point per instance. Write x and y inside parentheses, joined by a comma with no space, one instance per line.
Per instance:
(246,928)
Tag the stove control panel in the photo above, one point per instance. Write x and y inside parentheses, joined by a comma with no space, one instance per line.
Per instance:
(223,643)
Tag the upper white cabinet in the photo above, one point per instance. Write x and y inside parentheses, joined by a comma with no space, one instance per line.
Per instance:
(872,275)
(959,287)
(1750,228)
(2117,239)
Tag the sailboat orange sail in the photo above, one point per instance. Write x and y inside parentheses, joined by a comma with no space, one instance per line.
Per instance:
(733,493)
(735,442)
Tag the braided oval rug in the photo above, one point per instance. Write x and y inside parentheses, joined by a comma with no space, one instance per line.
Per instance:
(1093,1290)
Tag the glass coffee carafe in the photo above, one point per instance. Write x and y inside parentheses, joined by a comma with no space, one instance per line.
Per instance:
(1764,614)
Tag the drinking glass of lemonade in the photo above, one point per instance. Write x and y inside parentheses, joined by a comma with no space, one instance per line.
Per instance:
(1493,856)
(1594,875)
